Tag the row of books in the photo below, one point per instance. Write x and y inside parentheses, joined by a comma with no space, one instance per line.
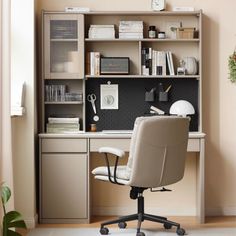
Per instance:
(101,31)
(93,63)
(57,93)
(157,62)
(63,125)
(131,29)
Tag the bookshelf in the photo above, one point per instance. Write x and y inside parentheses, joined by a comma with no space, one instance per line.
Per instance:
(57,70)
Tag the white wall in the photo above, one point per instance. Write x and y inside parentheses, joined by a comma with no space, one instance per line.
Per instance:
(23,133)
(219,103)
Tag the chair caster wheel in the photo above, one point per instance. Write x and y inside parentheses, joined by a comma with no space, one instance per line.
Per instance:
(180,231)
(167,226)
(122,225)
(140,234)
(104,231)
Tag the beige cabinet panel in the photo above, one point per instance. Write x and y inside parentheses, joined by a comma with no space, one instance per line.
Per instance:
(64,145)
(122,144)
(64,186)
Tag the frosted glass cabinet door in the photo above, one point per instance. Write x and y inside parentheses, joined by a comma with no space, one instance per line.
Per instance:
(64,46)
(64,186)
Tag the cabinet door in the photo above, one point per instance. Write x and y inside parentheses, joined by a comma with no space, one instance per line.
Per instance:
(64,46)
(64,186)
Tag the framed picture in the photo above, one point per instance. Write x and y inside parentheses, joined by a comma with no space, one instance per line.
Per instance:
(109,96)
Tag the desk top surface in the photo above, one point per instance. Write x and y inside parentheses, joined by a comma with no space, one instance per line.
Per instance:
(110,134)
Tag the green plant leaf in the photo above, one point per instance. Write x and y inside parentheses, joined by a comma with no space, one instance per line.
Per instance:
(11,233)
(17,224)
(12,216)
(5,193)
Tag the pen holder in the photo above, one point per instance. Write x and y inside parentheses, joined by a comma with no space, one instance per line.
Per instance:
(150,96)
(163,96)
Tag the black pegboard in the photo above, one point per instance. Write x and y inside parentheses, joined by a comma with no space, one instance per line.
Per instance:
(132,100)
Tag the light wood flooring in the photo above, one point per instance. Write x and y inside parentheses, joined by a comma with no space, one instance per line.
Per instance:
(186,222)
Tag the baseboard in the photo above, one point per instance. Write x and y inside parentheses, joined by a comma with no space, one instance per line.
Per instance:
(151,210)
(221,211)
(31,222)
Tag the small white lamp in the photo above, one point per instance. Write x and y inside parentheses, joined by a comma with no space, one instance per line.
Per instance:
(182,108)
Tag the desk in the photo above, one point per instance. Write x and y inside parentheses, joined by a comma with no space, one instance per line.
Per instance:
(64,173)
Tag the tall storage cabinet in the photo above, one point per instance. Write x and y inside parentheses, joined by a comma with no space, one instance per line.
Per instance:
(63,66)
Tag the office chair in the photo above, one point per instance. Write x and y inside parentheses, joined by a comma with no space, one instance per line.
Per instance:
(156,159)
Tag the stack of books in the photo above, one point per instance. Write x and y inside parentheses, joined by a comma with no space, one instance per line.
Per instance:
(101,32)
(131,29)
(63,125)
(93,63)
(157,62)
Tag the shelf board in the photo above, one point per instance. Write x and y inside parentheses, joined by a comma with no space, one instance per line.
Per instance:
(141,40)
(146,76)
(64,103)
(63,40)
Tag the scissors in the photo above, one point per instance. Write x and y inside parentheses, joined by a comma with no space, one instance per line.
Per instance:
(92,98)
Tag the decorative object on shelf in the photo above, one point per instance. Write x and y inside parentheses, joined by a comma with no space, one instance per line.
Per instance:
(93,127)
(77,9)
(114,66)
(183,8)
(101,32)
(190,65)
(171,29)
(232,67)
(185,33)
(152,32)
(131,30)
(161,35)
(182,108)
(158,5)
(109,96)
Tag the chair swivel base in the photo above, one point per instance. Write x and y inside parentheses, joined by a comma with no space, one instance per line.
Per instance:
(140,217)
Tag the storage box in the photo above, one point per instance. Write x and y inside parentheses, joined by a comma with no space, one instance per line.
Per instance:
(114,66)
(185,33)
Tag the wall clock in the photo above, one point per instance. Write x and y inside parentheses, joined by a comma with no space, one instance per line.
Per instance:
(158,5)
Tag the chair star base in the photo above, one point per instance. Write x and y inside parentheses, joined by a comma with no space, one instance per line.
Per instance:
(140,217)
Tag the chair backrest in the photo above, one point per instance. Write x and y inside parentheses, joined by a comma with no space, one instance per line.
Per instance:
(158,151)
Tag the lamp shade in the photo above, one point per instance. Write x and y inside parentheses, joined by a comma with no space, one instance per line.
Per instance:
(182,108)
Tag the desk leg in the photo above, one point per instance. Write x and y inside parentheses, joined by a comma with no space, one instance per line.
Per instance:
(201,183)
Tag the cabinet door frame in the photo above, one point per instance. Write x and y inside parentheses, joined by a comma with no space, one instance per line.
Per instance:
(80,202)
(47,17)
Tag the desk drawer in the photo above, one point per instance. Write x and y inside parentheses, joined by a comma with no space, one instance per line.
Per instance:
(193,145)
(123,144)
(64,145)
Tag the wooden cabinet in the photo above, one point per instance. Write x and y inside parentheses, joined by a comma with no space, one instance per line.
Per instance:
(63,85)
(64,181)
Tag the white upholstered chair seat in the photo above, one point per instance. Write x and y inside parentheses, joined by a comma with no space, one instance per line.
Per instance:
(122,174)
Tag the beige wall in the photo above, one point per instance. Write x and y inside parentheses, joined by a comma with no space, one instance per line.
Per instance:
(219,113)
(23,128)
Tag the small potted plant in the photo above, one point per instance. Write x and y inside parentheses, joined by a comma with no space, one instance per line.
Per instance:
(11,219)
(232,67)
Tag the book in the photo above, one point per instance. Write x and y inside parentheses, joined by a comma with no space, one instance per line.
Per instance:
(63,120)
(170,63)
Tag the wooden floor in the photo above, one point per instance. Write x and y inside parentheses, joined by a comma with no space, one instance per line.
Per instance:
(186,222)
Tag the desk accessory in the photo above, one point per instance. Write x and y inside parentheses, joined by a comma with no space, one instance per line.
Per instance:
(150,95)
(182,108)
(114,66)
(157,110)
(92,98)
(158,5)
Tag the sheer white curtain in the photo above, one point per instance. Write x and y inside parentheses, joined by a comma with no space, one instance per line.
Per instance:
(6,167)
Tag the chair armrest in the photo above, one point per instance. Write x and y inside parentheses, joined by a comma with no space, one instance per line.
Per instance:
(110,150)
